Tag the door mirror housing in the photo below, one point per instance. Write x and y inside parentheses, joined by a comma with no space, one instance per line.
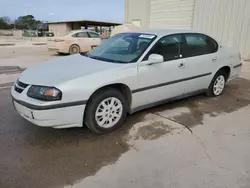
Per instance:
(155,59)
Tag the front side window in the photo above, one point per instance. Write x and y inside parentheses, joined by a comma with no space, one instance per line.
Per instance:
(169,47)
(199,44)
(81,35)
(122,48)
(94,35)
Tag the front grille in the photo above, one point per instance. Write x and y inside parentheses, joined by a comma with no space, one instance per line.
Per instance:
(18,90)
(20,86)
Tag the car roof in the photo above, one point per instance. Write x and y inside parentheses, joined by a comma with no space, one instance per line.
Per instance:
(163,32)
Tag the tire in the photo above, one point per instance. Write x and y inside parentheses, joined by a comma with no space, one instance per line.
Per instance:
(74,49)
(212,91)
(107,122)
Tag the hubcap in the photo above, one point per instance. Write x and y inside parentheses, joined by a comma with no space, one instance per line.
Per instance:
(219,85)
(109,112)
(74,50)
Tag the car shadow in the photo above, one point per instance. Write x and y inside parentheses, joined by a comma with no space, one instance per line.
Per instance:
(235,97)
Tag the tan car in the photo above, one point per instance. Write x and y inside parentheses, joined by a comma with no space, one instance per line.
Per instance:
(80,41)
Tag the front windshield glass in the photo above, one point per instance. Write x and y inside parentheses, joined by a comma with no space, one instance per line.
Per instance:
(122,48)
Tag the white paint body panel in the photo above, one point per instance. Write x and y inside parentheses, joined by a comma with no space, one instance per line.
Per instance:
(156,74)
(78,77)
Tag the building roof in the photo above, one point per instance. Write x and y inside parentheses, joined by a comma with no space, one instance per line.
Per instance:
(90,22)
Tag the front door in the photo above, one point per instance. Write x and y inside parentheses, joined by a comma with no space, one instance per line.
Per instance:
(165,80)
(95,39)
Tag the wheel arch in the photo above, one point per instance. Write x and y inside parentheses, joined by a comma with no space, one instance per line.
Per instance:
(226,69)
(123,88)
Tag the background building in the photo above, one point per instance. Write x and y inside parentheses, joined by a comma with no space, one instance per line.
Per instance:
(63,27)
(226,20)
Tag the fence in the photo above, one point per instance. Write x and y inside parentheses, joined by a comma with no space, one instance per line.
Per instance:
(11,33)
(22,33)
(6,32)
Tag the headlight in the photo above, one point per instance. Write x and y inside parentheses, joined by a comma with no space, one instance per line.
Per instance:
(45,93)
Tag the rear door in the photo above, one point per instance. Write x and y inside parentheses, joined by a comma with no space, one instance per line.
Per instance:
(200,55)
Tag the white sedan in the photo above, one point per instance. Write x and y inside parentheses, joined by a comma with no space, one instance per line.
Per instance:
(79,41)
(126,73)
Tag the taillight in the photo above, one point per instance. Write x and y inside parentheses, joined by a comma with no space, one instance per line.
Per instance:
(58,40)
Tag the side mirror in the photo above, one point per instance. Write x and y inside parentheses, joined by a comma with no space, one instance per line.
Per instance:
(155,59)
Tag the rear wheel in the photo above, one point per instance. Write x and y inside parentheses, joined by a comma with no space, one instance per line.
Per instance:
(217,85)
(106,111)
(74,49)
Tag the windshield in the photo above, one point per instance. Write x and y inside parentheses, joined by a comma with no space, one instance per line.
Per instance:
(122,48)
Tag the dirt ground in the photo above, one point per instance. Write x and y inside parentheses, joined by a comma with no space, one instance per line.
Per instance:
(195,142)
(15,59)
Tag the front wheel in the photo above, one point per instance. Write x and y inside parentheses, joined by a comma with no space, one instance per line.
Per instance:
(106,111)
(217,85)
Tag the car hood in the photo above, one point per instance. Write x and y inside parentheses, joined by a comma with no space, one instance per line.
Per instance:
(64,69)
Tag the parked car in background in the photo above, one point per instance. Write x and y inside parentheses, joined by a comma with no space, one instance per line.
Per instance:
(81,41)
(125,74)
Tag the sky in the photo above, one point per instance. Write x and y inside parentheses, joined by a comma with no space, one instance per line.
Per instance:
(60,10)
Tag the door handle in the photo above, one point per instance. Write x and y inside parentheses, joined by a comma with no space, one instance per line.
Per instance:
(181,65)
(214,59)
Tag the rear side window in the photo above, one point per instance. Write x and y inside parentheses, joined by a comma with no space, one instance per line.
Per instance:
(94,35)
(199,44)
(81,35)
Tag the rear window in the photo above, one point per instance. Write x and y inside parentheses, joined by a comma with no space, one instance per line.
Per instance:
(199,44)
(69,33)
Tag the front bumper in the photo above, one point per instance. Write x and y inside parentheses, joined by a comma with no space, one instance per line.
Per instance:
(56,116)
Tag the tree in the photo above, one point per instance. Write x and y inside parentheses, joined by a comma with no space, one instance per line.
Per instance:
(5,22)
(27,22)
(43,26)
